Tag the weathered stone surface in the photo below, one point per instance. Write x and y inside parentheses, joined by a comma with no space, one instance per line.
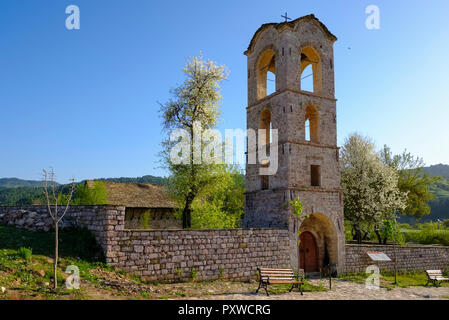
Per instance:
(409,257)
(234,254)
(286,50)
(162,259)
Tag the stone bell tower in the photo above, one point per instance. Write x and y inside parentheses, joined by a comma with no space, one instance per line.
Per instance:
(307,152)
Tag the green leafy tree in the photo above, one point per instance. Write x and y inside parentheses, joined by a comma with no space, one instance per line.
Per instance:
(222,205)
(411,180)
(391,231)
(91,195)
(370,187)
(194,106)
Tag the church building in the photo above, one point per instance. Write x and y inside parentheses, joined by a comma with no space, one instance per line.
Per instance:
(284,56)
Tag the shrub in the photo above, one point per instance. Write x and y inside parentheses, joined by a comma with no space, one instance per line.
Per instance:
(145,219)
(193,274)
(91,195)
(446,223)
(25,253)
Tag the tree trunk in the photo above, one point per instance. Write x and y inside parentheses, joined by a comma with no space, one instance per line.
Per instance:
(358,236)
(379,238)
(186,217)
(55,266)
(365,236)
(186,213)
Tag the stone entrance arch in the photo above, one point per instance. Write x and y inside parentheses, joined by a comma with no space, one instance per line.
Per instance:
(325,235)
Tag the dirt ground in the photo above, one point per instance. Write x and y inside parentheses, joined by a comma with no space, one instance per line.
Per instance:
(113,286)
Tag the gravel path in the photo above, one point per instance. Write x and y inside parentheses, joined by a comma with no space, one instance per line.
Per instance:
(345,290)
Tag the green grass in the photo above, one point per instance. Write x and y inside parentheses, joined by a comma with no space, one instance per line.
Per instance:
(78,244)
(145,294)
(427,236)
(404,279)
(25,254)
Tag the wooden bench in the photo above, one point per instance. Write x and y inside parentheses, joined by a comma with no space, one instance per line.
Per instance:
(435,277)
(269,276)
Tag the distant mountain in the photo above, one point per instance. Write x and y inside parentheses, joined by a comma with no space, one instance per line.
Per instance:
(16,183)
(438,170)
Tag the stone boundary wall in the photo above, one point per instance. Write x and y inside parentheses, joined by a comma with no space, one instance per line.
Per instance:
(166,255)
(178,255)
(98,219)
(410,257)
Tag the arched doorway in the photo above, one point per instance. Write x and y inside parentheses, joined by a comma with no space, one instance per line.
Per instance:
(324,234)
(308,252)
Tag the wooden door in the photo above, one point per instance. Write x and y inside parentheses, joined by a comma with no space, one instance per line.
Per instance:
(308,252)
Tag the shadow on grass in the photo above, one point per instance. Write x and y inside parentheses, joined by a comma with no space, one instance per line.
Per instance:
(77,243)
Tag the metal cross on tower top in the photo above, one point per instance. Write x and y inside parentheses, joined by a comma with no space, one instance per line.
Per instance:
(286,17)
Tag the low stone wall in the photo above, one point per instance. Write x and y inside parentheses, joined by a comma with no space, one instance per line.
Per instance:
(98,219)
(178,255)
(166,255)
(409,257)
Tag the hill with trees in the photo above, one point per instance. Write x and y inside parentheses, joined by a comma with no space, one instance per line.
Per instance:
(18,192)
(17,183)
(441,170)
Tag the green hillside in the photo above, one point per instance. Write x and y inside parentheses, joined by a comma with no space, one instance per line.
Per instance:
(440,205)
(441,170)
(18,192)
(21,196)
(16,183)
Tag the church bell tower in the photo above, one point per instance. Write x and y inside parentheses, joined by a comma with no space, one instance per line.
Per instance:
(291,92)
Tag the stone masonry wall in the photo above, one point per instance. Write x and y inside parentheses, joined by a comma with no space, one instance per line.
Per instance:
(234,254)
(166,255)
(410,257)
(98,219)
(175,255)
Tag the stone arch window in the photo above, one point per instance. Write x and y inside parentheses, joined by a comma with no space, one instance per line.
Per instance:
(311,79)
(266,74)
(312,125)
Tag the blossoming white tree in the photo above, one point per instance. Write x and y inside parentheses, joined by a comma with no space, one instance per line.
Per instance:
(371,193)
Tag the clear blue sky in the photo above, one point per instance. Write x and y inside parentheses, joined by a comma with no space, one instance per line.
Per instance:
(85,101)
